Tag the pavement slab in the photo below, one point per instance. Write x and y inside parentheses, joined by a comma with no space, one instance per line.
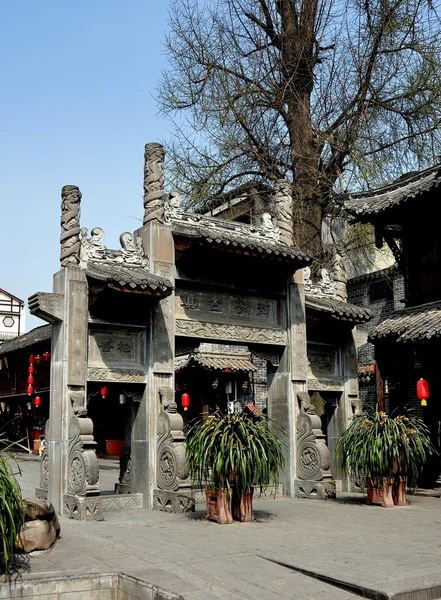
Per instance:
(296,549)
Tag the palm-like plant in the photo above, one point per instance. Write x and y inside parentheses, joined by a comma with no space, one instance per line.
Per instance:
(11,509)
(234,453)
(377,446)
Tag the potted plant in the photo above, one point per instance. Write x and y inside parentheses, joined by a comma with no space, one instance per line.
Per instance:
(230,454)
(11,510)
(386,452)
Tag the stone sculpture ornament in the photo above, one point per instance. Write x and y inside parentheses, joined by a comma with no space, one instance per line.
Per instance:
(70,226)
(325,288)
(283,200)
(153,179)
(83,469)
(131,252)
(92,248)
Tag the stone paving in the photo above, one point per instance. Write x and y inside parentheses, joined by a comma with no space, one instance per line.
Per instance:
(375,552)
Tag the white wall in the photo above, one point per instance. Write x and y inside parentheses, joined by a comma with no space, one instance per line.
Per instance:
(12,316)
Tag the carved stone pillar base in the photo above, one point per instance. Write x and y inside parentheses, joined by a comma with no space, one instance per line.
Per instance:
(175,502)
(320,490)
(123,488)
(83,508)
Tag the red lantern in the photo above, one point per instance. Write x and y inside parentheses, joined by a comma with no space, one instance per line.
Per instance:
(31,379)
(30,389)
(31,369)
(104,392)
(46,355)
(185,400)
(31,359)
(422,390)
(38,359)
(37,401)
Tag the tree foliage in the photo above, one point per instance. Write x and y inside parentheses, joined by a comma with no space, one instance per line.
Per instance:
(318,91)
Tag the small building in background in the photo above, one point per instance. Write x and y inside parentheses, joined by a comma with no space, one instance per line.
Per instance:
(12,316)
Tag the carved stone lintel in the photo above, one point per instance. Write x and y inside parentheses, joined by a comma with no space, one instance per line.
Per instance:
(216,331)
(48,307)
(175,502)
(83,469)
(70,226)
(329,385)
(153,178)
(82,508)
(126,375)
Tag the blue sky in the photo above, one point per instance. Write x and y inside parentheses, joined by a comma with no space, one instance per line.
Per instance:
(76,107)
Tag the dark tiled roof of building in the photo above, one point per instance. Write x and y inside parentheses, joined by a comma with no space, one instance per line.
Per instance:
(342,311)
(419,323)
(133,277)
(368,204)
(39,334)
(387,273)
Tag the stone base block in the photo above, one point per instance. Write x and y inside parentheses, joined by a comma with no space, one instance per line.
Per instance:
(122,502)
(123,488)
(83,508)
(41,493)
(175,502)
(320,490)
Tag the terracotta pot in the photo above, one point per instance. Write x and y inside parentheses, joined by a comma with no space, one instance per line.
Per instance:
(218,503)
(380,492)
(243,507)
(399,491)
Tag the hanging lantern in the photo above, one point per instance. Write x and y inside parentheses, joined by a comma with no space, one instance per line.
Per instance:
(31,359)
(31,379)
(30,389)
(46,356)
(38,359)
(103,392)
(37,401)
(422,390)
(185,400)
(31,369)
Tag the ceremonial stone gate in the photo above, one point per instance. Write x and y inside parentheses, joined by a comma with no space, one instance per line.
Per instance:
(187,293)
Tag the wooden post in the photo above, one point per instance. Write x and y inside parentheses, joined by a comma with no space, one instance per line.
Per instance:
(380,387)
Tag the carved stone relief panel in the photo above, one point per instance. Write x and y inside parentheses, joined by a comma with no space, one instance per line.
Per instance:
(120,348)
(83,469)
(226,308)
(323,361)
(77,333)
(117,375)
(216,331)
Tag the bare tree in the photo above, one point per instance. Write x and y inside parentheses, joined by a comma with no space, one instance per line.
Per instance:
(317,91)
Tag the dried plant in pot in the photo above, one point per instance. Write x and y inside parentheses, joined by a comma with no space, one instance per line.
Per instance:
(230,454)
(386,452)
(11,509)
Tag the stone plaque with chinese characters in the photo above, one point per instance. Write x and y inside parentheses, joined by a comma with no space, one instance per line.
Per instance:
(77,333)
(298,335)
(322,360)
(220,307)
(117,348)
(162,338)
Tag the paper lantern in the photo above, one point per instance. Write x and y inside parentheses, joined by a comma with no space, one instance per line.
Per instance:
(30,379)
(37,401)
(30,389)
(31,369)
(104,392)
(422,390)
(31,359)
(185,401)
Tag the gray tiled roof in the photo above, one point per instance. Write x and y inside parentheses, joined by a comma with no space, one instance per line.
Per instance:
(39,334)
(235,241)
(369,204)
(341,311)
(127,276)
(418,323)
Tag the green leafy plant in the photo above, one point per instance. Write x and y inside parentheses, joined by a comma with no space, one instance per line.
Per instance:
(234,452)
(377,446)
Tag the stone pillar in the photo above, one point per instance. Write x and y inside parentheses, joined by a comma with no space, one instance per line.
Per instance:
(284,211)
(290,378)
(153,179)
(69,467)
